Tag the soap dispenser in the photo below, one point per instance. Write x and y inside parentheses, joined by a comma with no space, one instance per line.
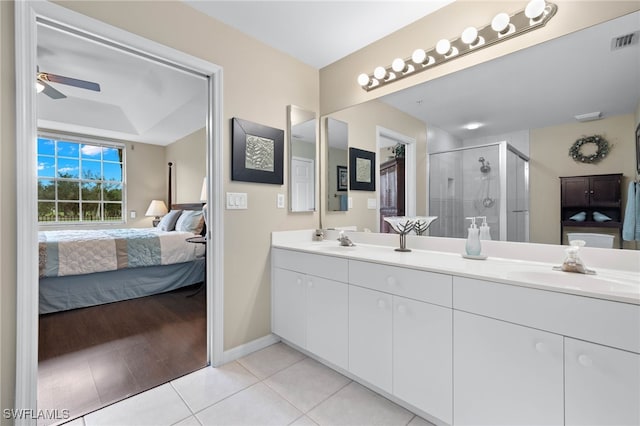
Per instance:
(473,239)
(485,233)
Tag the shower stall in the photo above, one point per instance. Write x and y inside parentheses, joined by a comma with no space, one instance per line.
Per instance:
(489,180)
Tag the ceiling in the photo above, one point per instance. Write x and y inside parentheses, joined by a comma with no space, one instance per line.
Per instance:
(145,101)
(318,33)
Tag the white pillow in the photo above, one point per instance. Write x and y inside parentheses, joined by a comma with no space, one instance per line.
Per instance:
(190,221)
(168,221)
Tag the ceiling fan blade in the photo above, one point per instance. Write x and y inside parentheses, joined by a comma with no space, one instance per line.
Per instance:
(51,92)
(83,84)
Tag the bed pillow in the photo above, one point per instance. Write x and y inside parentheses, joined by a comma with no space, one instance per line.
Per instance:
(190,221)
(168,221)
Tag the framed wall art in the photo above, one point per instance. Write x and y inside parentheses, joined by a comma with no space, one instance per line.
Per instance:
(342,178)
(257,153)
(362,165)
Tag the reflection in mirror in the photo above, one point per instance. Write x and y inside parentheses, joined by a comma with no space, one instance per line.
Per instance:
(302,159)
(337,165)
(509,102)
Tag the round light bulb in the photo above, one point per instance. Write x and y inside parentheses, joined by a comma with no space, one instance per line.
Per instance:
(535,8)
(380,73)
(500,22)
(443,46)
(398,65)
(363,79)
(419,56)
(469,35)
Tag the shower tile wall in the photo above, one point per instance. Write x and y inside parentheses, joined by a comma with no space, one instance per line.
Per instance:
(445,201)
(481,191)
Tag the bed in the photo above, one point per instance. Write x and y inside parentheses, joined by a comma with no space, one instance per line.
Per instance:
(81,268)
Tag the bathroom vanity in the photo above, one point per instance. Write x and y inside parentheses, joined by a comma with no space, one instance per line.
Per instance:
(459,341)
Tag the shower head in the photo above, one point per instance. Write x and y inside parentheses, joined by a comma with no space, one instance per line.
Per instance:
(485,168)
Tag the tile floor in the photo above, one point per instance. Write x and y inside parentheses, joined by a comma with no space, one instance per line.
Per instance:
(275,386)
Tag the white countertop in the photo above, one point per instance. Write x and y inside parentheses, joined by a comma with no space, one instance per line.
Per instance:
(607,284)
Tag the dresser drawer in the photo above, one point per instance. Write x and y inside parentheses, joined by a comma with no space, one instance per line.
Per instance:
(606,322)
(333,268)
(411,283)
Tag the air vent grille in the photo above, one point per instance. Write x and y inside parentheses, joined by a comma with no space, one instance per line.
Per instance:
(625,40)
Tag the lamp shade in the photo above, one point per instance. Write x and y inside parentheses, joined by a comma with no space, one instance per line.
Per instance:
(157,208)
(203,191)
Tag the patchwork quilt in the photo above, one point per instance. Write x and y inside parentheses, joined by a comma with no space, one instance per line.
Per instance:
(76,252)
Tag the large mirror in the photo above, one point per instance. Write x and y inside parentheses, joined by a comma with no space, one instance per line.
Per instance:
(518,113)
(302,126)
(337,160)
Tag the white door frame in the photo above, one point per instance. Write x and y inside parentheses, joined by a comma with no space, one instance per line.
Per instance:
(409,165)
(26,15)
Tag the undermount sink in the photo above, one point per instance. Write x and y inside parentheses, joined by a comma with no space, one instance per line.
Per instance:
(336,247)
(577,281)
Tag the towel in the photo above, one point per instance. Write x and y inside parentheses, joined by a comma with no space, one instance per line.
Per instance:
(631,224)
(344,203)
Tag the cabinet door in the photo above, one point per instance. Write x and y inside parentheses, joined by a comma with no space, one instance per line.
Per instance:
(328,320)
(370,336)
(289,306)
(505,374)
(602,385)
(605,191)
(575,192)
(422,356)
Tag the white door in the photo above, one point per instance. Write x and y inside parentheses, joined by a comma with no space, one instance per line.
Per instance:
(602,385)
(302,194)
(370,344)
(422,356)
(328,320)
(505,374)
(289,306)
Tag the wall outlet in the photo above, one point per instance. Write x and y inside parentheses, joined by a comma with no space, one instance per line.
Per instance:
(280,201)
(132,214)
(237,201)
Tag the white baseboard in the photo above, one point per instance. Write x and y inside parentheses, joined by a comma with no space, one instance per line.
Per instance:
(250,347)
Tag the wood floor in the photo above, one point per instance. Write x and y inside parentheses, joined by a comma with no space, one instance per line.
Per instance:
(92,357)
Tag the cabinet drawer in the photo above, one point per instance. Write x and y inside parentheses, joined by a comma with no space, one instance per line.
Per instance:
(420,285)
(329,267)
(602,321)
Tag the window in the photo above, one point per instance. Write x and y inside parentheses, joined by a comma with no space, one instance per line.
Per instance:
(80,181)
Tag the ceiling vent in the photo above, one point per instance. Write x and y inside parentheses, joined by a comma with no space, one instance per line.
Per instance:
(625,40)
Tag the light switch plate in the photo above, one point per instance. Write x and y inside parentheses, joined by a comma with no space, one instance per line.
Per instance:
(372,203)
(237,201)
(132,214)
(350,199)
(280,201)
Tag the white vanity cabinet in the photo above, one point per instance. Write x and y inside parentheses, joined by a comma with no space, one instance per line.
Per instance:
(370,338)
(308,309)
(602,385)
(505,374)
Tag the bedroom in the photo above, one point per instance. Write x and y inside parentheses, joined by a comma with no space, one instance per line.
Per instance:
(106,152)
(246,95)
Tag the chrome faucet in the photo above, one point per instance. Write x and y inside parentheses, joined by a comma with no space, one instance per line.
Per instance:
(345,241)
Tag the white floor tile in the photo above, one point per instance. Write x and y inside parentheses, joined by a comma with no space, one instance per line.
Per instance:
(307,383)
(209,385)
(304,421)
(155,407)
(189,421)
(270,360)
(419,421)
(256,406)
(356,405)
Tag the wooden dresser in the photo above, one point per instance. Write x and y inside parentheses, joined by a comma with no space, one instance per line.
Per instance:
(392,191)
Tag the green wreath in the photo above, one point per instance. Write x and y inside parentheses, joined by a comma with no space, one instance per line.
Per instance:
(601,152)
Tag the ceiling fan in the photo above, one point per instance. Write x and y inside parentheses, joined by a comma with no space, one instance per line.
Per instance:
(43,78)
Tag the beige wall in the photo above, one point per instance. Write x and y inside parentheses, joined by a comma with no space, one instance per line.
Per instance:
(550,160)
(189,166)
(362,121)
(338,80)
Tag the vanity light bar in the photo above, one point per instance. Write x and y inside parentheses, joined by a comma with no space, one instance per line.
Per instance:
(536,14)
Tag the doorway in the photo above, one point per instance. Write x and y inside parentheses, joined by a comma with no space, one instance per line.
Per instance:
(28,15)
(396,175)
